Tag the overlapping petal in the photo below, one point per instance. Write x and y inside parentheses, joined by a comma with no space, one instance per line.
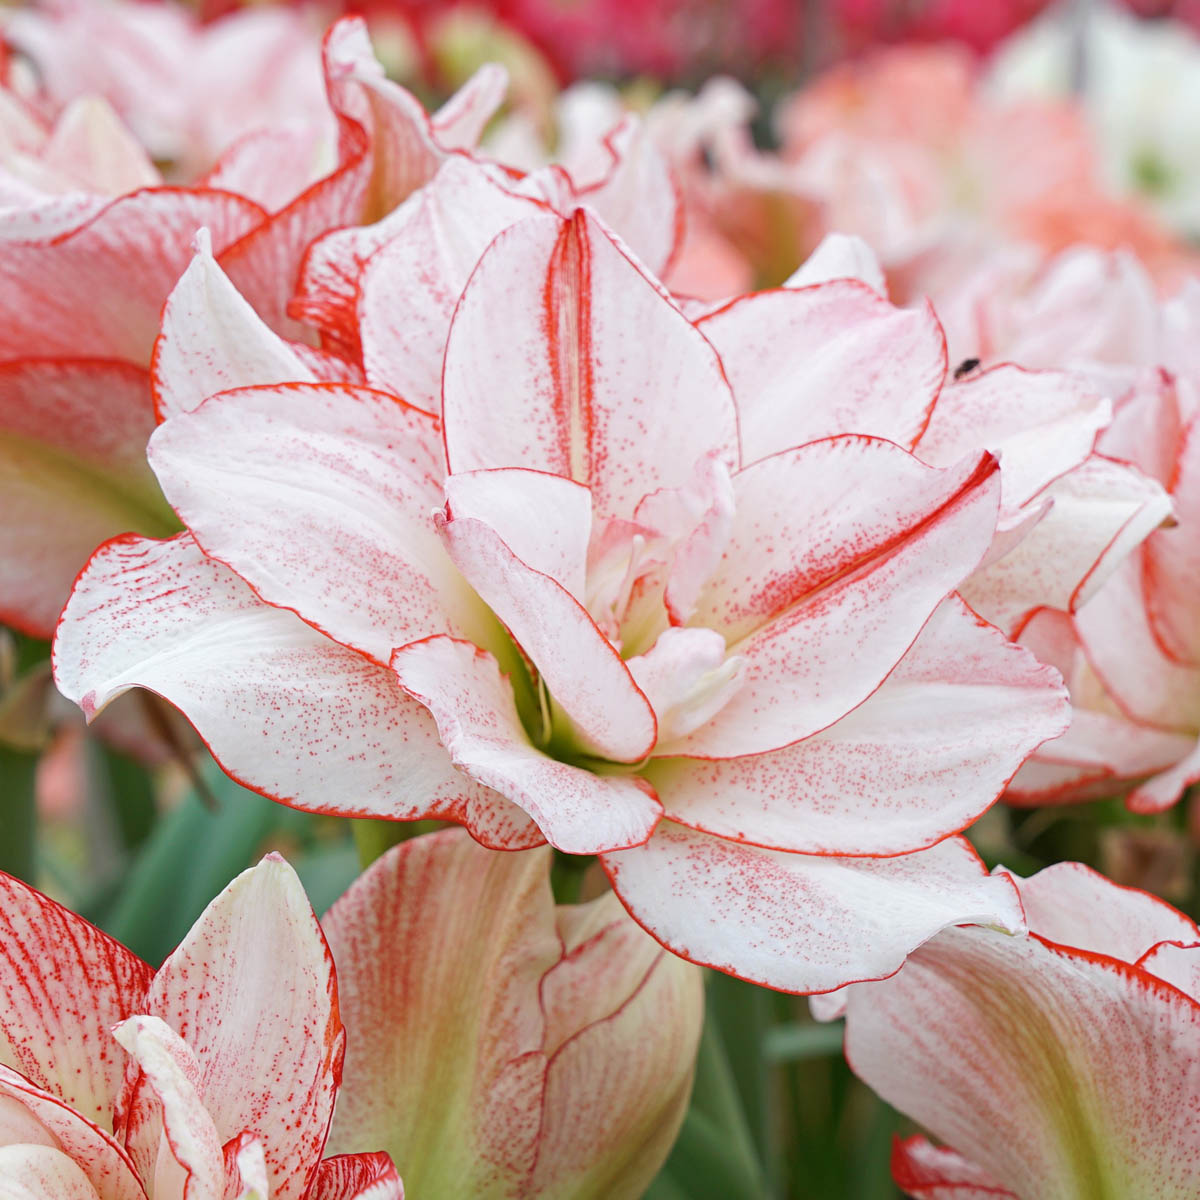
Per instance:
(802,922)
(559,1044)
(825,583)
(1003,1048)
(812,362)
(918,760)
(604,382)
(257,682)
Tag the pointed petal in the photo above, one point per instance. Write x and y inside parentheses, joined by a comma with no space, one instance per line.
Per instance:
(358,1177)
(285,710)
(472,703)
(35,1172)
(637,196)
(920,759)
(609,715)
(840,256)
(131,253)
(72,473)
(63,985)
(1003,1048)
(342,482)
(264,1027)
(408,290)
(801,922)
(840,551)
(460,122)
(929,1172)
(820,361)
(168,1128)
(212,340)
(605,381)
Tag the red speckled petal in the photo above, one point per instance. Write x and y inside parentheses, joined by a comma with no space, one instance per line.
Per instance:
(409,289)
(212,340)
(72,473)
(605,381)
(131,253)
(251,990)
(920,759)
(545,520)
(610,717)
(813,362)
(357,1177)
(342,482)
(801,922)
(929,1172)
(1073,905)
(1058,1071)
(63,985)
(167,1127)
(839,552)
(578,812)
(1099,512)
(285,710)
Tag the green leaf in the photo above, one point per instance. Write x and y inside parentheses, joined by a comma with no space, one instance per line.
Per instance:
(18,814)
(715,1154)
(792,1043)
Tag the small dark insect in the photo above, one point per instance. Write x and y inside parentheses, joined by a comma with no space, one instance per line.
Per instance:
(966,367)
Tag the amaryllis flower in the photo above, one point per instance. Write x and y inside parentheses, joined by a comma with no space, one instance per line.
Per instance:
(213,1077)
(1059,1064)
(498,1046)
(574,607)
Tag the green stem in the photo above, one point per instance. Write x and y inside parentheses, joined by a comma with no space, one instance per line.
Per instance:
(375,838)
(18,814)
